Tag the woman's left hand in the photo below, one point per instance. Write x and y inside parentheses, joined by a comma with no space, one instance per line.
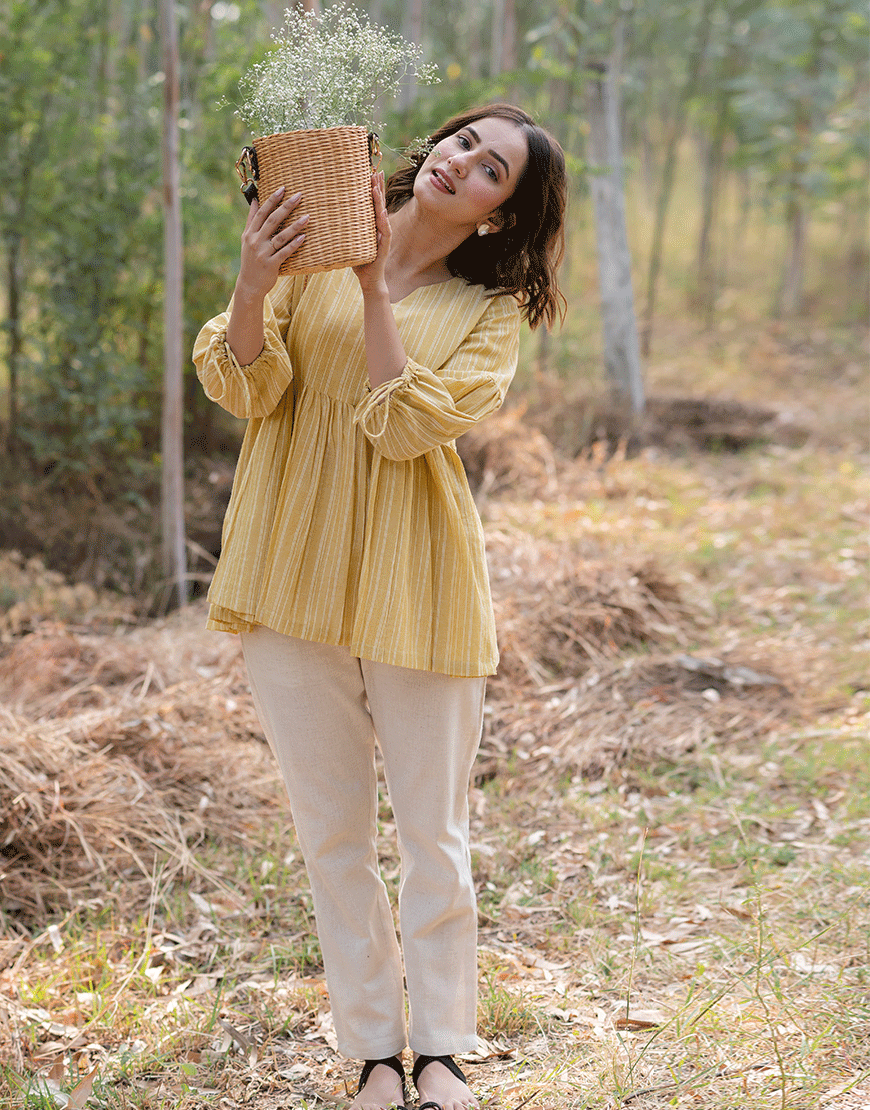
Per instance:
(385,354)
(372,275)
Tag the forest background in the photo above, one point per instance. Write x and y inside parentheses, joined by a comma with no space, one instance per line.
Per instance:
(748,114)
(671,814)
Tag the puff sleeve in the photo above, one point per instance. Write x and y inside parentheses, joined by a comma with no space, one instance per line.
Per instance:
(253,390)
(427,408)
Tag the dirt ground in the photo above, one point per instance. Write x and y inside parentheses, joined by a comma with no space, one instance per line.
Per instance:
(670,810)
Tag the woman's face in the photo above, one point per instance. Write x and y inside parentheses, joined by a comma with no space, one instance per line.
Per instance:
(470,174)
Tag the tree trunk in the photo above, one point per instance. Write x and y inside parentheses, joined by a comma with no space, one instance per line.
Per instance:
(495,38)
(791,295)
(172,471)
(708,269)
(508,47)
(698,52)
(412,30)
(621,355)
(545,350)
(274,14)
(15,271)
(714,165)
(792,290)
(13,326)
(475,33)
(508,60)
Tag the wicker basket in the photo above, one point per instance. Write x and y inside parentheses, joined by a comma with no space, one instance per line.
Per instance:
(332,169)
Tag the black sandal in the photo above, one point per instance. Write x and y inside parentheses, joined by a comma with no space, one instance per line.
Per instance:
(394,1062)
(423,1062)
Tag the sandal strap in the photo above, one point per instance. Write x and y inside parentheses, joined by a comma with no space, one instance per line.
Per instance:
(424,1061)
(394,1062)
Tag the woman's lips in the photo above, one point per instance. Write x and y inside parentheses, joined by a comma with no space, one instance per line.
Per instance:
(443,183)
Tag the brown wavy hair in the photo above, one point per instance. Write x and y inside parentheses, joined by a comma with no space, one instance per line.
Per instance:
(524,257)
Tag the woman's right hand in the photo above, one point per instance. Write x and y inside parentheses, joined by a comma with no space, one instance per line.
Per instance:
(264,247)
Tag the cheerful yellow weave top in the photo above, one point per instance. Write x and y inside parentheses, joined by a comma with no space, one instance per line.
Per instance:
(351,521)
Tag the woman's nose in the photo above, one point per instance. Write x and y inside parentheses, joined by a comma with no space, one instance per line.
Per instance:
(456,163)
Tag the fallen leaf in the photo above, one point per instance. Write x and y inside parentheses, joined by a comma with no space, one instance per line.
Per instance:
(821,810)
(488,1050)
(238,1036)
(635,1024)
(673,935)
(638,1019)
(221,1047)
(847,1087)
(201,904)
(570,1015)
(82,1091)
(808,966)
(296,1072)
(324,1030)
(689,946)
(47,1088)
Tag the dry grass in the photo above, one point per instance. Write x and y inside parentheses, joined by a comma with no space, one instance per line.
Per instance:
(671,811)
(96,730)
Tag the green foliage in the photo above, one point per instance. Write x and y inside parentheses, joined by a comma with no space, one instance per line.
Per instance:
(796,115)
(81,247)
(82,149)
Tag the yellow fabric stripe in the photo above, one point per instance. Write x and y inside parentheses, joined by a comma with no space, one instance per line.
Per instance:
(351,521)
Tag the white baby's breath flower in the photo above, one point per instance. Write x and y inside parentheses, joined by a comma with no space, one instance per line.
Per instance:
(327,70)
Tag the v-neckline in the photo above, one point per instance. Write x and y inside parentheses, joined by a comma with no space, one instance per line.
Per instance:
(419,288)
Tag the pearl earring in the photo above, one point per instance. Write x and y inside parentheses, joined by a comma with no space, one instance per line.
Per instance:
(483,229)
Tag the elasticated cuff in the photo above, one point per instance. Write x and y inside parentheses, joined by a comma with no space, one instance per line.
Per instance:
(227,370)
(373,413)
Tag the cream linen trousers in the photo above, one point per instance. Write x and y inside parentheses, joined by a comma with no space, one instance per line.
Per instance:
(322,710)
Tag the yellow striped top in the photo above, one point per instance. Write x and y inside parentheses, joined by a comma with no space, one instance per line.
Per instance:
(351,521)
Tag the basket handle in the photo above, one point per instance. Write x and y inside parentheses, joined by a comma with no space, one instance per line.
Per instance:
(374,151)
(245,166)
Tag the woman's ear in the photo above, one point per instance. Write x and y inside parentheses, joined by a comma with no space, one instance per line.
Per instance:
(498,221)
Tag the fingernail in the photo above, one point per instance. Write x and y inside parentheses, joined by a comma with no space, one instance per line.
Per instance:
(278,191)
(295,197)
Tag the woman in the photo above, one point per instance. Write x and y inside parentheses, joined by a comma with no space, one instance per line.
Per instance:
(353,562)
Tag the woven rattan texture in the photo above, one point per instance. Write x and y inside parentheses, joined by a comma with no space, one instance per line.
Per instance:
(331,168)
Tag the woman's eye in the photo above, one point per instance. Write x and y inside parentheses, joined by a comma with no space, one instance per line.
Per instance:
(463,142)
(491,172)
